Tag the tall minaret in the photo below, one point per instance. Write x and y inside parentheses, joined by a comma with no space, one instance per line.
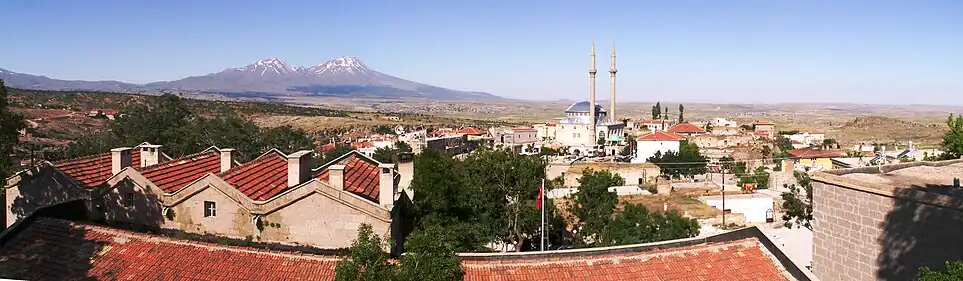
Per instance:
(592,72)
(612,72)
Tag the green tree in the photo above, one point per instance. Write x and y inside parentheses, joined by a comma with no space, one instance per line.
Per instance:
(636,224)
(10,126)
(430,256)
(385,155)
(798,209)
(953,272)
(366,261)
(656,111)
(402,147)
(336,152)
(953,140)
(593,205)
(681,114)
(687,162)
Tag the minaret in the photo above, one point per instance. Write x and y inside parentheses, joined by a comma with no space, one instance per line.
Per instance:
(612,72)
(592,72)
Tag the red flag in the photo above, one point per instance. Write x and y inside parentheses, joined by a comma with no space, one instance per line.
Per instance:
(541,193)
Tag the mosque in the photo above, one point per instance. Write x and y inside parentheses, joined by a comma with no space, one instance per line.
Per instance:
(586,128)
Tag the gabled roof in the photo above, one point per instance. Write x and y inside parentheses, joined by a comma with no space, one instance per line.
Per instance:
(685,128)
(174,175)
(659,136)
(361,175)
(52,249)
(262,178)
(91,171)
(471,131)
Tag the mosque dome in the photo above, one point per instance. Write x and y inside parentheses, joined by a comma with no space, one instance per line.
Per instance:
(583,106)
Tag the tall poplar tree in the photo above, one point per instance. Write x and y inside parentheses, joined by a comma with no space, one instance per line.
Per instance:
(10,126)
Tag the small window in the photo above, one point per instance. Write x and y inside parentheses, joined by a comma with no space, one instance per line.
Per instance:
(129,199)
(210,209)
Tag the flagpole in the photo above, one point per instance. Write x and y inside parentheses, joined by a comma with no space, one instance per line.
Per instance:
(541,199)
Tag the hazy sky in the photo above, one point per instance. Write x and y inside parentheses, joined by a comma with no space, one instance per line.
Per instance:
(713,51)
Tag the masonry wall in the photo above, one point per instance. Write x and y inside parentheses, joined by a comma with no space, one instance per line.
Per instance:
(130,203)
(319,221)
(35,189)
(632,173)
(230,220)
(869,235)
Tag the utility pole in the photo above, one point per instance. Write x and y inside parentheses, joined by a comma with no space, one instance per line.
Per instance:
(723,198)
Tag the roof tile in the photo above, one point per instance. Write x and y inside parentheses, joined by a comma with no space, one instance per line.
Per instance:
(685,128)
(176,174)
(91,171)
(659,136)
(262,178)
(361,176)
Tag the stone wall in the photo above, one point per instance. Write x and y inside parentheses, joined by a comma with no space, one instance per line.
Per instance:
(881,233)
(42,186)
(634,174)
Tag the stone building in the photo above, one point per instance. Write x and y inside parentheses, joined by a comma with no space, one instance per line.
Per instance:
(885,222)
(634,173)
(275,198)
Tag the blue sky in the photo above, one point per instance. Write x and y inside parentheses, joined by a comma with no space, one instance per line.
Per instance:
(710,51)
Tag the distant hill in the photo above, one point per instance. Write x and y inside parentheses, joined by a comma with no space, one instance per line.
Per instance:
(341,77)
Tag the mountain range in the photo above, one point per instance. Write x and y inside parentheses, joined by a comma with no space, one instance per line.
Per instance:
(340,77)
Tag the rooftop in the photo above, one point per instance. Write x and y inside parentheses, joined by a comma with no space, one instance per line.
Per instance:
(659,136)
(685,128)
(816,153)
(91,171)
(930,178)
(262,178)
(52,249)
(174,175)
(361,175)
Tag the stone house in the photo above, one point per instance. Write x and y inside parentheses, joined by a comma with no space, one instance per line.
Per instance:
(686,130)
(633,173)
(51,183)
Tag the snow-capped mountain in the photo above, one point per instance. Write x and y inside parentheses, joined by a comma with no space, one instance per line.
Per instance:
(271,66)
(341,77)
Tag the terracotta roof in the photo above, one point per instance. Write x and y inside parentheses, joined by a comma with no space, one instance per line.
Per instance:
(685,128)
(262,178)
(815,153)
(91,171)
(327,147)
(361,175)
(745,259)
(659,136)
(51,249)
(550,124)
(173,175)
(361,144)
(652,121)
(471,131)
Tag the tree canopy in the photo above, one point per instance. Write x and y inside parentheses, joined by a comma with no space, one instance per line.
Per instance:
(682,114)
(953,140)
(799,210)
(168,121)
(657,110)
(10,126)
(686,162)
(953,272)
(430,257)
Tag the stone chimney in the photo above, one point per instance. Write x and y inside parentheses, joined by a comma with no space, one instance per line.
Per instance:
(299,167)
(120,158)
(336,176)
(150,154)
(406,168)
(386,183)
(227,159)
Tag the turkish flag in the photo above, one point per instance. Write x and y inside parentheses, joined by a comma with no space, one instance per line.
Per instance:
(541,194)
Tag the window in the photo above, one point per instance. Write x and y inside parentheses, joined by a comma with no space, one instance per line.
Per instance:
(210,209)
(128,199)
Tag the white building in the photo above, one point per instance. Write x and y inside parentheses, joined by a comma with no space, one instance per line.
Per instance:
(723,122)
(659,141)
(757,208)
(807,139)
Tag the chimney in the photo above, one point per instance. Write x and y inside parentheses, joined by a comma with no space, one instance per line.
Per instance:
(406,168)
(120,158)
(150,154)
(227,159)
(386,183)
(299,167)
(336,176)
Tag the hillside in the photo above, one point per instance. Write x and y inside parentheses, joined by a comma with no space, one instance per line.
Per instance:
(880,128)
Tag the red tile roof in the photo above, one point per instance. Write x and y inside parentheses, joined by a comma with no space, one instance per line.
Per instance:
(659,136)
(174,175)
(471,131)
(361,176)
(652,122)
(685,128)
(816,153)
(91,171)
(50,249)
(262,178)
(550,124)
(745,259)
(327,147)
(361,144)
